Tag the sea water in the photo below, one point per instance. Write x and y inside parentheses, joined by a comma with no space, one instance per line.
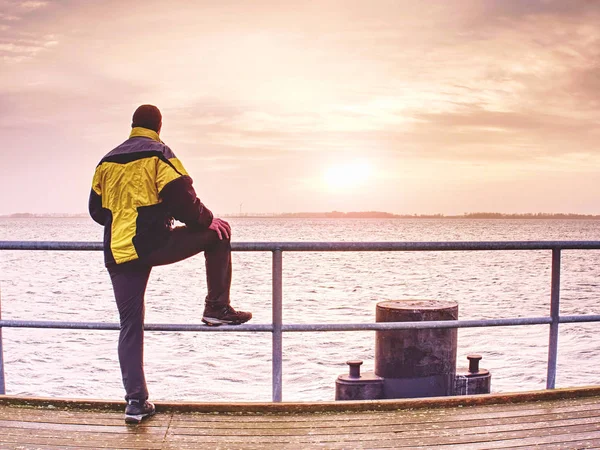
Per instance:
(328,287)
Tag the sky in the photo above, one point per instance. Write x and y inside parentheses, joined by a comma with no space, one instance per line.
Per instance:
(402,106)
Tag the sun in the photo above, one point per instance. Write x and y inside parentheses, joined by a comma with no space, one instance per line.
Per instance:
(347,176)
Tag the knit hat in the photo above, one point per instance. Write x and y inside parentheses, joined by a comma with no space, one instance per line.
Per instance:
(147,116)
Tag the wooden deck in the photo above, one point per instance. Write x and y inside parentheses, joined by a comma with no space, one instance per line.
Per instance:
(547,421)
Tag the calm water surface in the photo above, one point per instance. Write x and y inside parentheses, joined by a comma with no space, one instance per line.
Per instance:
(318,287)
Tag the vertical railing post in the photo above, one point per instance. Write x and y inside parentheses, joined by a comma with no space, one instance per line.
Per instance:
(554,315)
(277,321)
(2,383)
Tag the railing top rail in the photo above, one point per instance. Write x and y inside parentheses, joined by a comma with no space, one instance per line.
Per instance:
(338,246)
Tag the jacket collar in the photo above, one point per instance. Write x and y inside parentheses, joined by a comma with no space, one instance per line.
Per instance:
(144,132)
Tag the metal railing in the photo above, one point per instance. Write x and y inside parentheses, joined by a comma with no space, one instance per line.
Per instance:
(277,327)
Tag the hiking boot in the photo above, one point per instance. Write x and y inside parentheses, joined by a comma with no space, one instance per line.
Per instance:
(224,315)
(136,411)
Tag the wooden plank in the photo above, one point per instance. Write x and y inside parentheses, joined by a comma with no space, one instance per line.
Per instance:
(86,416)
(578,444)
(62,443)
(574,441)
(400,429)
(566,441)
(387,419)
(41,447)
(427,437)
(6,426)
(228,446)
(482,442)
(374,415)
(10,411)
(28,440)
(154,422)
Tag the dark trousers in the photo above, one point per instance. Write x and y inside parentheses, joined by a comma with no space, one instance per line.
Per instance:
(129,282)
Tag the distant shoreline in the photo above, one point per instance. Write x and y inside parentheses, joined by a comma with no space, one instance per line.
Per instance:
(348,215)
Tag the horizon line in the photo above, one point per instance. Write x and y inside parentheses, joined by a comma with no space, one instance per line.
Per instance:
(350,214)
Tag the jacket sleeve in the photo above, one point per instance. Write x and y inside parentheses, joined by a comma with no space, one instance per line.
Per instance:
(98,213)
(175,188)
(181,200)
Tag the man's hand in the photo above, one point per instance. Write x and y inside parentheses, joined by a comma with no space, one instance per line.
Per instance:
(221,227)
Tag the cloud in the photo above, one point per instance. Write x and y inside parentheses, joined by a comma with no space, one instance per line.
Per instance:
(17,9)
(27,48)
(520,9)
(23,33)
(31,5)
(8,17)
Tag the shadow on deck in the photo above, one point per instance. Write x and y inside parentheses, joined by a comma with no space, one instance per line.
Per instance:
(555,419)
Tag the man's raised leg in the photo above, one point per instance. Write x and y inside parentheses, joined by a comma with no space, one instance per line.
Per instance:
(184,243)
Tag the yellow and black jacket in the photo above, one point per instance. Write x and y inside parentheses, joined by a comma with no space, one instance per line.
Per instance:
(137,191)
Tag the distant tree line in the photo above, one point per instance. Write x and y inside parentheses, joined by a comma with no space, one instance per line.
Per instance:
(386,215)
(489,215)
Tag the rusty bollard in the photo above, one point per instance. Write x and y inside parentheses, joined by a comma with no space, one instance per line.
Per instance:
(472,380)
(416,362)
(357,386)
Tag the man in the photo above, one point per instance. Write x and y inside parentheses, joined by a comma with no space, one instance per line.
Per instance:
(137,191)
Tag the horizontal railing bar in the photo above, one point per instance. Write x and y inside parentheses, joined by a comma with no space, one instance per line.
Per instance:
(304,327)
(382,326)
(336,246)
(580,318)
(415,246)
(50,245)
(147,327)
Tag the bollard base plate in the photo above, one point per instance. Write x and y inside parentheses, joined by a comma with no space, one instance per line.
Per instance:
(431,386)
